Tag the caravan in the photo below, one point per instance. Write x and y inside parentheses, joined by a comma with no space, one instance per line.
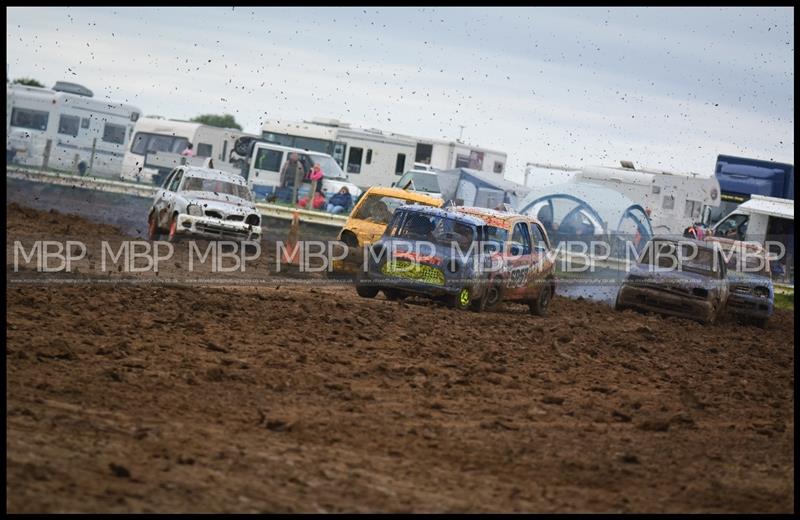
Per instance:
(86,134)
(674,201)
(165,136)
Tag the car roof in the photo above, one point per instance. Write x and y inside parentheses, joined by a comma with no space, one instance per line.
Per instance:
(209,173)
(443,213)
(494,217)
(702,244)
(414,196)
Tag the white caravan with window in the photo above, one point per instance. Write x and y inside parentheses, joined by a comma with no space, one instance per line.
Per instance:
(152,136)
(448,155)
(74,122)
(675,201)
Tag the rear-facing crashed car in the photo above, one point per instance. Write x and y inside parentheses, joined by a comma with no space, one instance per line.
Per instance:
(685,278)
(525,262)
(202,202)
(368,220)
(752,294)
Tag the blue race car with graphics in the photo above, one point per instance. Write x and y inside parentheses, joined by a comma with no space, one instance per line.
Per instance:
(430,252)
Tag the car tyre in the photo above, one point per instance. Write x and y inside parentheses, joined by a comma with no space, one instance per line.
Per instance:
(762,323)
(540,305)
(173,228)
(366,291)
(153,233)
(394,295)
(462,300)
(493,296)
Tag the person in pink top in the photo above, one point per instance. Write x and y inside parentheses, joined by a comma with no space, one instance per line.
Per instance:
(189,152)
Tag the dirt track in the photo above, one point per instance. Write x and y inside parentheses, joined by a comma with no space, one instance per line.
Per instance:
(146,398)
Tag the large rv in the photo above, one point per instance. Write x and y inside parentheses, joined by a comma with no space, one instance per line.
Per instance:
(447,155)
(152,136)
(373,157)
(674,201)
(75,123)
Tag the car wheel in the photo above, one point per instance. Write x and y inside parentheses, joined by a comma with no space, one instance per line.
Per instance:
(394,295)
(462,300)
(153,233)
(712,317)
(540,305)
(173,228)
(367,291)
(618,304)
(762,322)
(493,296)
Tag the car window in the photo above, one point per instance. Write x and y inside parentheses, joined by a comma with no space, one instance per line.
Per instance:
(379,208)
(522,238)
(168,180)
(539,242)
(176,180)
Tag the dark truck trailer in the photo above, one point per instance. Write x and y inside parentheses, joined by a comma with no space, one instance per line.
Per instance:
(740,178)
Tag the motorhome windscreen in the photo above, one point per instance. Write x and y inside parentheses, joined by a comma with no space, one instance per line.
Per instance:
(436,229)
(216,186)
(151,143)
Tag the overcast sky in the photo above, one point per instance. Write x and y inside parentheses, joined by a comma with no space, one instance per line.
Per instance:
(663,87)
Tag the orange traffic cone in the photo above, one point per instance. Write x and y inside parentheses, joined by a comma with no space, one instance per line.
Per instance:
(291,254)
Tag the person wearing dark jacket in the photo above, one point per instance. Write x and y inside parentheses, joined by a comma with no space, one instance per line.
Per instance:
(340,202)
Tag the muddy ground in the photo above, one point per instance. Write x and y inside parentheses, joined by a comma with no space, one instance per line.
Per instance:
(129,397)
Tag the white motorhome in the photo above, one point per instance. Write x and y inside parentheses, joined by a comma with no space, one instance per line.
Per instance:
(152,136)
(370,157)
(763,219)
(75,123)
(447,155)
(674,201)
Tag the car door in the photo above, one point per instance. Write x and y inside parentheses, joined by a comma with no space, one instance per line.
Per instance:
(168,199)
(519,261)
(158,201)
(542,263)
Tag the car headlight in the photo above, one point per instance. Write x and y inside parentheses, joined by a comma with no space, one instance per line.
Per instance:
(761,291)
(194,210)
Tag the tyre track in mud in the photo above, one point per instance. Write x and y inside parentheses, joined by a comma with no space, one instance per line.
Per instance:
(145,397)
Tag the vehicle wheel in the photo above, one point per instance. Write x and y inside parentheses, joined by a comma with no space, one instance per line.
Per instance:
(173,228)
(762,322)
(462,300)
(153,233)
(493,296)
(617,305)
(367,291)
(712,318)
(394,295)
(540,305)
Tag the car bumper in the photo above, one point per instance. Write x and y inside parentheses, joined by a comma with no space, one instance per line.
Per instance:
(449,287)
(216,229)
(663,302)
(750,305)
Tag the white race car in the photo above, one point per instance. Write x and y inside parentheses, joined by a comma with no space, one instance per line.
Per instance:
(203,202)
